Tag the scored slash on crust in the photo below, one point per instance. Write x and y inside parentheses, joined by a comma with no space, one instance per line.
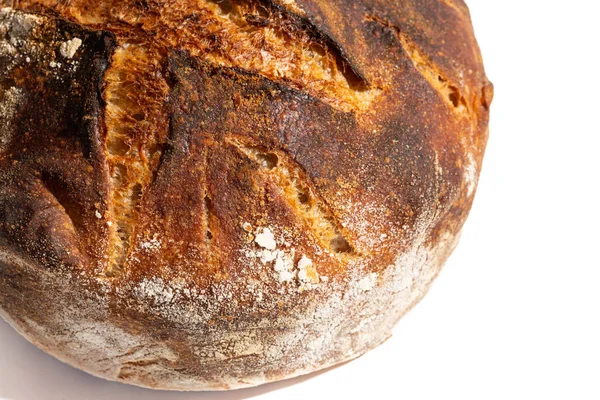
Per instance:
(449,92)
(246,34)
(300,195)
(252,35)
(135,94)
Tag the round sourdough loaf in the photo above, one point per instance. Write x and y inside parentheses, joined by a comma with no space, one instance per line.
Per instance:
(214,194)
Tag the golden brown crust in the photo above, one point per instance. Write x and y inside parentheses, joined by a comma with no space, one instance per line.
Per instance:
(218,194)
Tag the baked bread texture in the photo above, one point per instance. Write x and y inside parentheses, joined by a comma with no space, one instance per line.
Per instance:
(215,194)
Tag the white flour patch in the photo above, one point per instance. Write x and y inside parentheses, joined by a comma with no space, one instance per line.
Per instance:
(368,282)
(151,245)
(266,256)
(304,262)
(266,239)
(301,275)
(471,174)
(12,99)
(284,266)
(70,47)
(155,289)
(307,274)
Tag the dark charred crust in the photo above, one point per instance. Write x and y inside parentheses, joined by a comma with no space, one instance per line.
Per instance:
(59,118)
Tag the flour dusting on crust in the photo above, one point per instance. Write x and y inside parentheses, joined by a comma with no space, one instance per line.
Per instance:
(318,336)
(9,102)
(70,47)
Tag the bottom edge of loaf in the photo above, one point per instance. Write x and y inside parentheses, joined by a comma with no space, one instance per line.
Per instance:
(174,381)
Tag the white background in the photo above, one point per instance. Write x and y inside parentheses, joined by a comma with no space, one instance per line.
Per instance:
(516,312)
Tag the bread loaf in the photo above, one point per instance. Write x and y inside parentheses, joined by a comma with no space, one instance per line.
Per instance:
(215,194)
